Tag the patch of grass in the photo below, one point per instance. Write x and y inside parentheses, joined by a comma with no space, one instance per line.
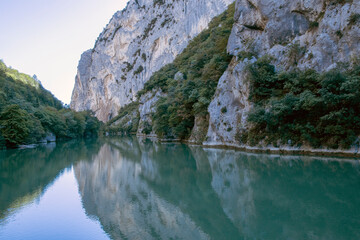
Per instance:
(149,28)
(342,2)
(158,2)
(354,18)
(339,33)
(246,54)
(128,67)
(313,25)
(296,52)
(139,70)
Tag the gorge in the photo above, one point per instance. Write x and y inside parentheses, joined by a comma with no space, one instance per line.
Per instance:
(189,119)
(126,81)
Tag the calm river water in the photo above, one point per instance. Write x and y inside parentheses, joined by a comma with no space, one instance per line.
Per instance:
(129,188)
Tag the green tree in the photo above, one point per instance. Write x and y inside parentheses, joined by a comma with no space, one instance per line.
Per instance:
(300,107)
(14,125)
(202,64)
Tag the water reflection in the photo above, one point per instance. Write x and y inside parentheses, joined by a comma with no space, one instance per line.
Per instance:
(115,188)
(139,189)
(25,174)
(287,198)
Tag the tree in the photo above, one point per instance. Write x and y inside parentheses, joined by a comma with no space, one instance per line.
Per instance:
(14,125)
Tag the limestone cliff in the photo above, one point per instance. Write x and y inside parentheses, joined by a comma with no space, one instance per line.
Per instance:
(137,42)
(327,33)
(319,35)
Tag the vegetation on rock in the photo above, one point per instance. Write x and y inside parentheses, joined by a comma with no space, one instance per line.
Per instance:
(303,107)
(202,63)
(126,122)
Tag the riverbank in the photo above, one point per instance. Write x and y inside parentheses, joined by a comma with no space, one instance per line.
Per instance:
(353,152)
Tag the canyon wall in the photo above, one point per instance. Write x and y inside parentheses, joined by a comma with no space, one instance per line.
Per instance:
(318,35)
(137,42)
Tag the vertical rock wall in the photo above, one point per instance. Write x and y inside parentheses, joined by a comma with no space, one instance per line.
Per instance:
(323,29)
(137,42)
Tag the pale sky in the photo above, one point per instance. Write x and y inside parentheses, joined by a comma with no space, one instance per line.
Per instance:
(47,37)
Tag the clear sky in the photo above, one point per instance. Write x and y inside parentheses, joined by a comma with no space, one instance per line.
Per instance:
(47,37)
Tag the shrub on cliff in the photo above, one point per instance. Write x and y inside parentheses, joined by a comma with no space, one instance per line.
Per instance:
(127,120)
(304,106)
(202,64)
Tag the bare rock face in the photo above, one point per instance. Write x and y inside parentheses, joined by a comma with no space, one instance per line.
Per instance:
(137,42)
(316,34)
(230,105)
(146,108)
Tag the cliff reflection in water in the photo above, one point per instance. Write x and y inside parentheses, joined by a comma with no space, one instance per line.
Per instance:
(144,190)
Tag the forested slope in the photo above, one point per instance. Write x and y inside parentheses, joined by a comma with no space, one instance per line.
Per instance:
(29,113)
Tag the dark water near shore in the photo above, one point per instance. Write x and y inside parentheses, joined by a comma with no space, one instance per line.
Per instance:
(127,188)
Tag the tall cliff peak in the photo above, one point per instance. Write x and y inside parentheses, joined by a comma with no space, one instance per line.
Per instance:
(137,42)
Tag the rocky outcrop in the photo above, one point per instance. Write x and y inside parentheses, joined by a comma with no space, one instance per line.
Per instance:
(137,42)
(146,109)
(304,34)
(230,105)
(50,137)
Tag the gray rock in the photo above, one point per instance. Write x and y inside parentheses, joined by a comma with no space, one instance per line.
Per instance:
(50,137)
(144,37)
(179,76)
(146,108)
(228,110)
(274,27)
(137,42)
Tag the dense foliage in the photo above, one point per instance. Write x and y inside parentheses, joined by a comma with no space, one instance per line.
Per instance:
(202,63)
(300,107)
(28,112)
(127,121)
(21,89)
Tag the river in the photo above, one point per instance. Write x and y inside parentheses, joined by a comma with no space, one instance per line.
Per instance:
(130,188)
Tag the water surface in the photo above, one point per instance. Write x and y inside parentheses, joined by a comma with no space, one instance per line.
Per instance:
(129,188)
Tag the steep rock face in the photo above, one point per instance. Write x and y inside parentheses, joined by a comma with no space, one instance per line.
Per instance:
(146,109)
(306,34)
(137,42)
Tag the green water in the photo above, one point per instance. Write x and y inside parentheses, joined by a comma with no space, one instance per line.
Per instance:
(129,188)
